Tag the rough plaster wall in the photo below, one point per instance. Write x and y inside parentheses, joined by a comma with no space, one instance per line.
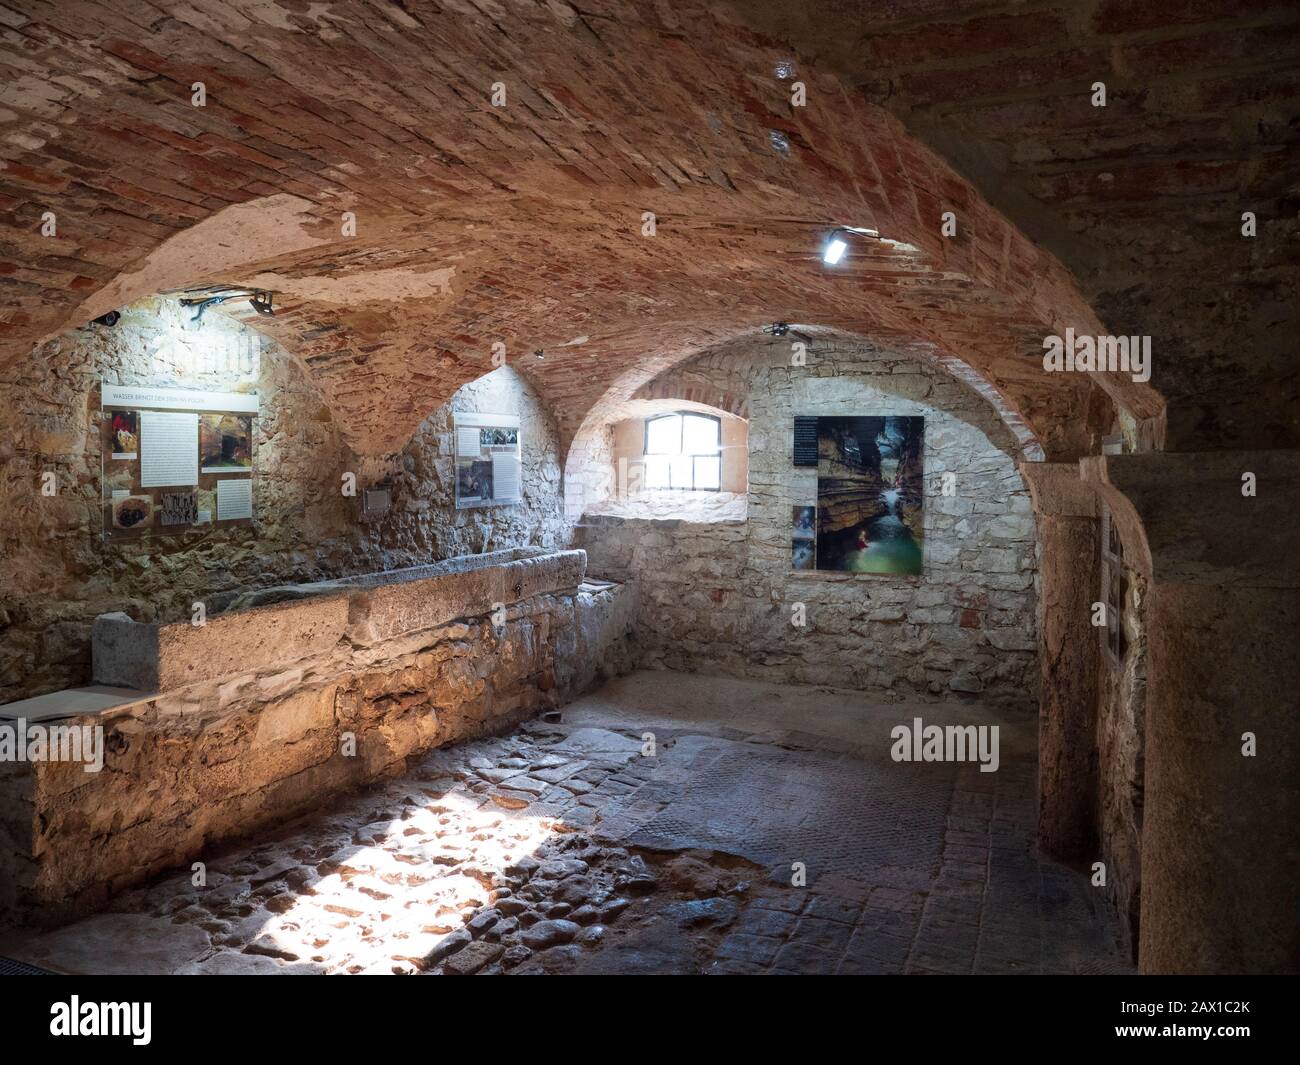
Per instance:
(672,505)
(56,571)
(717,596)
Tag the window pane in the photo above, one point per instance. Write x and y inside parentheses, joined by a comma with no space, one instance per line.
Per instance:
(663,436)
(700,435)
(681,471)
(708,472)
(655,474)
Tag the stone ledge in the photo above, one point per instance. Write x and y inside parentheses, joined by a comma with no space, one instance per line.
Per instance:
(96,700)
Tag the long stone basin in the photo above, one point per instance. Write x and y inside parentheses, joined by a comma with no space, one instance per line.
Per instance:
(273,627)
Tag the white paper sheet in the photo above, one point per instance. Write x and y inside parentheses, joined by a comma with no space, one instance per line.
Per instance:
(467,441)
(177,399)
(505,475)
(169,449)
(234,499)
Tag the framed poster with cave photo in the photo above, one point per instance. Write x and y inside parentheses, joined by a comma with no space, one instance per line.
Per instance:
(489,460)
(870,494)
(174,460)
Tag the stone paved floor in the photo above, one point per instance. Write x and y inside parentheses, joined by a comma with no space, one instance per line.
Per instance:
(568,848)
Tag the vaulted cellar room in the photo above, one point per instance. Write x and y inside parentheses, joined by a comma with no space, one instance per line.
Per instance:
(616,487)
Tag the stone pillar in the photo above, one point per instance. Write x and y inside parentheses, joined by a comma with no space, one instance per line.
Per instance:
(1219,850)
(1069,583)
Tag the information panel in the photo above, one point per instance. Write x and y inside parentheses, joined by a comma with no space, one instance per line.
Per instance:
(489,469)
(175,459)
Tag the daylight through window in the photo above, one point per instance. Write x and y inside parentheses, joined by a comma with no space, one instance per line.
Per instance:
(683,451)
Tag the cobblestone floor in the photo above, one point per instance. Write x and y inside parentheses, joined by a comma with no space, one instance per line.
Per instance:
(579,847)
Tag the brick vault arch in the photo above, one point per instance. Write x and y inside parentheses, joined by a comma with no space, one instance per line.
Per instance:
(407,225)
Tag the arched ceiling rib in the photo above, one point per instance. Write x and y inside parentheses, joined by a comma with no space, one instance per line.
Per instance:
(476,224)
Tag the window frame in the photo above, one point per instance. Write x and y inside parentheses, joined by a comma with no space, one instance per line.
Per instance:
(694,456)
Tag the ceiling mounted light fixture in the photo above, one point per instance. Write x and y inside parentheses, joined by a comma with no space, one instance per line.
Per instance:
(201,305)
(835,247)
(259,298)
(837,243)
(781,329)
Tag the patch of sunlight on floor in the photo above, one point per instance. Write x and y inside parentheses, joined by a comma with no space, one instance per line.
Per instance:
(385,900)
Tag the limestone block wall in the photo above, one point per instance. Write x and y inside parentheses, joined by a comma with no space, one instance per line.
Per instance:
(217,759)
(425,522)
(718,595)
(57,573)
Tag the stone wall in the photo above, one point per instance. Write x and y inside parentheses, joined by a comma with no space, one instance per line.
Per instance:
(57,572)
(234,751)
(1121,749)
(425,523)
(718,595)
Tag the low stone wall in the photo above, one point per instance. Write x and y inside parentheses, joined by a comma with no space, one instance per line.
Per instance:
(223,756)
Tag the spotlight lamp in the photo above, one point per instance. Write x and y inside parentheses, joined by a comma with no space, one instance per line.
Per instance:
(835,247)
(260,299)
(838,242)
(781,329)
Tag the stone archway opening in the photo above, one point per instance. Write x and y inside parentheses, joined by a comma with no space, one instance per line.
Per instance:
(715,588)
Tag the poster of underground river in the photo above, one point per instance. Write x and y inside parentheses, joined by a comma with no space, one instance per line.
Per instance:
(870,475)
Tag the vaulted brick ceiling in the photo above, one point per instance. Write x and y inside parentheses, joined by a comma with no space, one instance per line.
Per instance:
(522,224)
(1142,198)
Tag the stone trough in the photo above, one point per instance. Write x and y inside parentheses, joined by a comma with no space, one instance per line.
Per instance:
(266,627)
(285,697)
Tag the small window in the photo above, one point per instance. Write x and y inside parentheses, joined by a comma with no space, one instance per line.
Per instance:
(683,452)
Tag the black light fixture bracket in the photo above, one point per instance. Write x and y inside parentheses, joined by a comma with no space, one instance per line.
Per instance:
(261,300)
